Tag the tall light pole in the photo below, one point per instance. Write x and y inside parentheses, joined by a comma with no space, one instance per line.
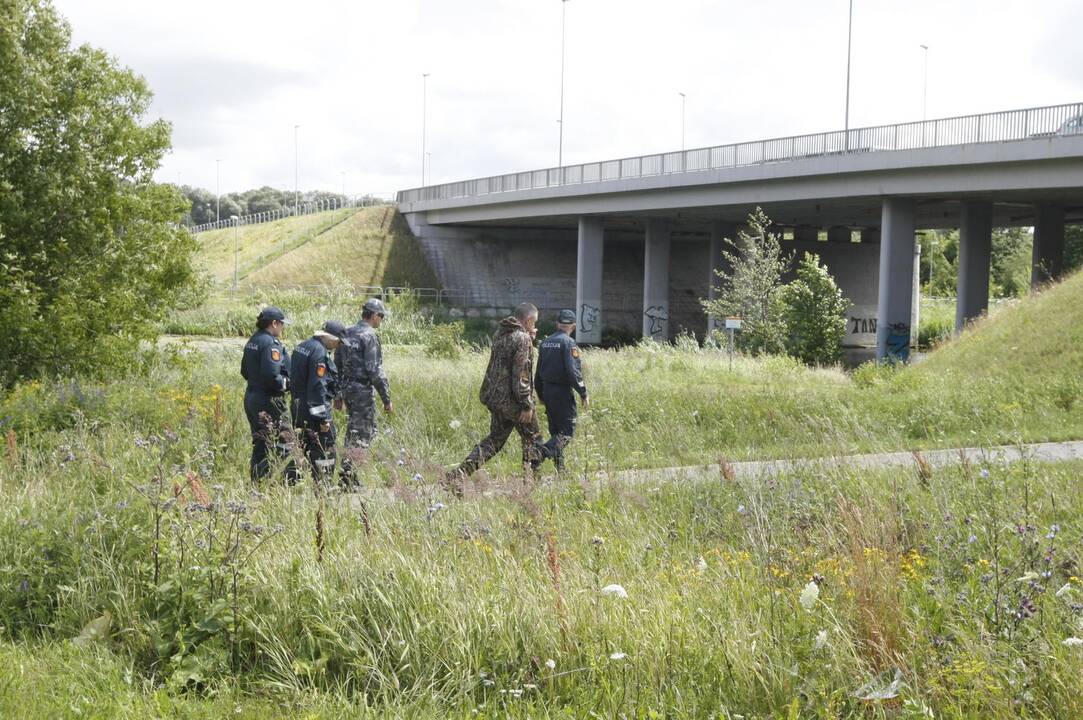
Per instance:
(683,99)
(217,190)
(429,156)
(424,120)
(236,250)
(849,45)
(560,142)
(296,172)
(925,83)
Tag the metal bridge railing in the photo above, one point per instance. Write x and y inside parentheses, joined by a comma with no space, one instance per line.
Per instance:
(1041,122)
(305,208)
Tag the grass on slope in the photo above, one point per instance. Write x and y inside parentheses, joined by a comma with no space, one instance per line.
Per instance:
(257,245)
(372,247)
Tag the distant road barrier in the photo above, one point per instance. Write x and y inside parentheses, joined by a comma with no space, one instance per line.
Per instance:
(306,208)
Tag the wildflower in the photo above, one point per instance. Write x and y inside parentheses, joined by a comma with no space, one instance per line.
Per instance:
(984,473)
(701,564)
(621,656)
(455,424)
(1053,530)
(972,538)
(433,509)
(418,478)
(809,596)
(821,640)
(1072,642)
(615,590)
(597,541)
(551,664)
(740,509)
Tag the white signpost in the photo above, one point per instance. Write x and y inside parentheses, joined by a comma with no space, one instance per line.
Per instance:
(733,324)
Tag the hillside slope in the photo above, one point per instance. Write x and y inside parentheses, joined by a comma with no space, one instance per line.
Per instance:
(367,246)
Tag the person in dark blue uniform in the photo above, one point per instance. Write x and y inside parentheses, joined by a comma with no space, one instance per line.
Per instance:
(314,383)
(559,378)
(265,365)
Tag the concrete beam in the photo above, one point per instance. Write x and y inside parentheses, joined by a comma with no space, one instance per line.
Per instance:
(806,233)
(1047,261)
(839,234)
(895,301)
(975,252)
(656,280)
(588,280)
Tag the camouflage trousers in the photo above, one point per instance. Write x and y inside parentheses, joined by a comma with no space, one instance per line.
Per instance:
(501,425)
(360,427)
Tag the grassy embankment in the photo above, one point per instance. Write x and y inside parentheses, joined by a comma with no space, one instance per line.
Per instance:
(963,580)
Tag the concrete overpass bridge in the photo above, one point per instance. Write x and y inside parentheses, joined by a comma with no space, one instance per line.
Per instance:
(635,241)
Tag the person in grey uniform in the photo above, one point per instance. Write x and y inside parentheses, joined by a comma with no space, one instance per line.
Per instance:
(314,383)
(265,366)
(559,378)
(360,361)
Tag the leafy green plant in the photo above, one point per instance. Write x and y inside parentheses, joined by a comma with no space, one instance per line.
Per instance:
(814,314)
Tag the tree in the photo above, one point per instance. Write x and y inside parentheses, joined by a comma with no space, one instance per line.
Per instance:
(752,287)
(91,253)
(814,313)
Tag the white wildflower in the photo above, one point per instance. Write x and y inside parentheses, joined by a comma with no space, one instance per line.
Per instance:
(810,595)
(551,664)
(455,424)
(1072,642)
(621,656)
(821,640)
(615,590)
(701,564)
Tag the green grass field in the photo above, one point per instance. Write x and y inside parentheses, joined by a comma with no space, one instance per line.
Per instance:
(369,246)
(961,583)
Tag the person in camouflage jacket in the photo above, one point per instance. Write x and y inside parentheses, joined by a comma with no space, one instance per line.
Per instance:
(508,393)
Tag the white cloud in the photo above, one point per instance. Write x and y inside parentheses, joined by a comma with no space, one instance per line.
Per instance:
(235,77)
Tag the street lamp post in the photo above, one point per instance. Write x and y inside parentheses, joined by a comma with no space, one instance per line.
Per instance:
(925,83)
(217,190)
(236,250)
(560,141)
(683,99)
(849,44)
(424,120)
(428,156)
(296,172)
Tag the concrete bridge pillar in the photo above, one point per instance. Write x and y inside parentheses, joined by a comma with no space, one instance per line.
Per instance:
(720,230)
(656,280)
(895,302)
(588,280)
(1048,257)
(975,248)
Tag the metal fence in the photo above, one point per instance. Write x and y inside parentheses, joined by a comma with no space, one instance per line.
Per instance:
(1042,122)
(305,208)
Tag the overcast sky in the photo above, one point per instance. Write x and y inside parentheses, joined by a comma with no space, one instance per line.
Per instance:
(235,76)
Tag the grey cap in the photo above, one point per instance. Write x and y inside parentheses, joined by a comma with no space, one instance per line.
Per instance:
(375,306)
(566,317)
(332,328)
(272,313)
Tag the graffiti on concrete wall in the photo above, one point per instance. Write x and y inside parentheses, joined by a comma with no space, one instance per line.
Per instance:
(659,316)
(588,317)
(898,341)
(862,325)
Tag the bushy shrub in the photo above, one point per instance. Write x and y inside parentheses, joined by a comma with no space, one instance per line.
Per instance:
(814,312)
(445,340)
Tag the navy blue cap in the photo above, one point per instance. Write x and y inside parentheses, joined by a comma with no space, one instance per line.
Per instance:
(272,313)
(566,317)
(374,306)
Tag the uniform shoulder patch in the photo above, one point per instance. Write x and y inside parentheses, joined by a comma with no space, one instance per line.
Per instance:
(276,355)
(575,353)
(321,370)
